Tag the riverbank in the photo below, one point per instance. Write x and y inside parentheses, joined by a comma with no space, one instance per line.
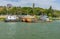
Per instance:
(58,18)
(2,17)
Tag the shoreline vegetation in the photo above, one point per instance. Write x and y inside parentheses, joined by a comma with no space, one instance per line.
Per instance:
(13,10)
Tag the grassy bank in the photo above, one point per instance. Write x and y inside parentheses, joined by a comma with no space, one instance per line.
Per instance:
(2,17)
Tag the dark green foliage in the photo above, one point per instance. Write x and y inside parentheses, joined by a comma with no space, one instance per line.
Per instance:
(29,10)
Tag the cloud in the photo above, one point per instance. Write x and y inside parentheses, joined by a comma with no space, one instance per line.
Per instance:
(5,2)
(13,0)
(38,3)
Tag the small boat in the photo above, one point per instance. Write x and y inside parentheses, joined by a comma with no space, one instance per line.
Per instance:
(11,18)
(45,18)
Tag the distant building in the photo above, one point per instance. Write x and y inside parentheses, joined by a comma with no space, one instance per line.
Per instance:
(9,5)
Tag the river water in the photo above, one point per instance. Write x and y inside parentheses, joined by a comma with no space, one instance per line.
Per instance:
(20,30)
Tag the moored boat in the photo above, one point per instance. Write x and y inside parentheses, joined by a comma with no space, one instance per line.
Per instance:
(29,18)
(11,18)
(45,18)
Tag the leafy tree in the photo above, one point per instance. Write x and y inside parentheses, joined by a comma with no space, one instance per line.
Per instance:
(50,11)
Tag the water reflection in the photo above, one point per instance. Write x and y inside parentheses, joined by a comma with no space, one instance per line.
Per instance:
(11,29)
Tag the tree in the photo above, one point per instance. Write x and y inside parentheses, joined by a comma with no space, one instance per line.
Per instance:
(3,11)
(50,11)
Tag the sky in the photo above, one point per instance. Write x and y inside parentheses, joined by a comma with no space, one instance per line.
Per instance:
(38,3)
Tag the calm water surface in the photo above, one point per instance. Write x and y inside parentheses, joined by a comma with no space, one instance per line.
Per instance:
(19,30)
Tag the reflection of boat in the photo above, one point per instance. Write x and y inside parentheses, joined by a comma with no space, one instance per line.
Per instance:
(29,18)
(11,18)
